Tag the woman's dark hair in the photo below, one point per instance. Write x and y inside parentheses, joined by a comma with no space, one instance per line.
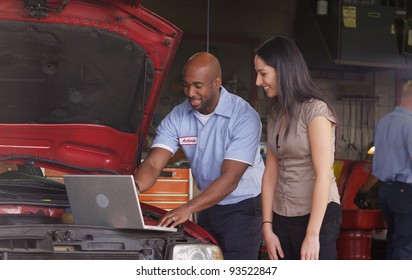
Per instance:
(294,83)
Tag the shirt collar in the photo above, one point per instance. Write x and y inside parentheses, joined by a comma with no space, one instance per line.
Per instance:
(224,106)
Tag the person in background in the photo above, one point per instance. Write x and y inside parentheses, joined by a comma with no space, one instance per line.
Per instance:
(219,134)
(300,200)
(392,165)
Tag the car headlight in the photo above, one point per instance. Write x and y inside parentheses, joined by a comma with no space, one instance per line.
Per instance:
(195,252)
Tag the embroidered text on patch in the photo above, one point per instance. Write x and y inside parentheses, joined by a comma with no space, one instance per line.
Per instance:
(191,140)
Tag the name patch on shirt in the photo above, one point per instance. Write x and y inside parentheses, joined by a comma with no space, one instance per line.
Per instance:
(188,140)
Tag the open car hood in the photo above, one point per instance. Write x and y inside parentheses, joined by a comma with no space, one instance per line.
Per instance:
(79,81)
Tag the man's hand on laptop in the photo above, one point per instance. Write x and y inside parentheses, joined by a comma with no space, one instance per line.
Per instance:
(176,217)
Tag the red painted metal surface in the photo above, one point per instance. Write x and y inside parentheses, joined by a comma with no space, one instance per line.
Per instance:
(355,239)
(81,145)
(190,228)
(35,210)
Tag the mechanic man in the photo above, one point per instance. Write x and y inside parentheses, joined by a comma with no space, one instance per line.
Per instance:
(392,165)
(219,134)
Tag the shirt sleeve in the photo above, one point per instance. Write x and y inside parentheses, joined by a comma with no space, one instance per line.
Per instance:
(245,138)
(315,108)
(408,142)
(167,133)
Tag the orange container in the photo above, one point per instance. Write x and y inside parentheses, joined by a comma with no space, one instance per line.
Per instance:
(172,189)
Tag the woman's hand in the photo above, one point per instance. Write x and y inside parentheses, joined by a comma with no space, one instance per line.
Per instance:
(310,248)
(272,243)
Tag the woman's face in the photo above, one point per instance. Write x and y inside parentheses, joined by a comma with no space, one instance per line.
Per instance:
(266,77)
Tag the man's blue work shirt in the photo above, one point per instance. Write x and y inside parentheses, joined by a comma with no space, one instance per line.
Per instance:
(393,142)
(232,132)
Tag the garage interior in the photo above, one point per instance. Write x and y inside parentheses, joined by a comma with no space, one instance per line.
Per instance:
(359,72)
(358,53)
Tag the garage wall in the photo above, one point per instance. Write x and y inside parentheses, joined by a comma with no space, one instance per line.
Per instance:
(258,18)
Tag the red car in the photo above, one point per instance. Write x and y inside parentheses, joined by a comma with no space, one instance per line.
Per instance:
(79,82)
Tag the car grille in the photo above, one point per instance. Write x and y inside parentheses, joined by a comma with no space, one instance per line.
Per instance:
(72,256)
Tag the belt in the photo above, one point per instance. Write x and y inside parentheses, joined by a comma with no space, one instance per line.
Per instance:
(399,184)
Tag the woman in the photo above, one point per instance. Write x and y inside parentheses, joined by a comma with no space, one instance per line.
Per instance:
(301,205)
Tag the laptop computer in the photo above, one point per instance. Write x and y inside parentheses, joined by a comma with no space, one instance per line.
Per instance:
(106,200)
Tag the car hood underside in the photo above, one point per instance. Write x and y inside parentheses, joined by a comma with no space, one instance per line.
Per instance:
(79,84)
